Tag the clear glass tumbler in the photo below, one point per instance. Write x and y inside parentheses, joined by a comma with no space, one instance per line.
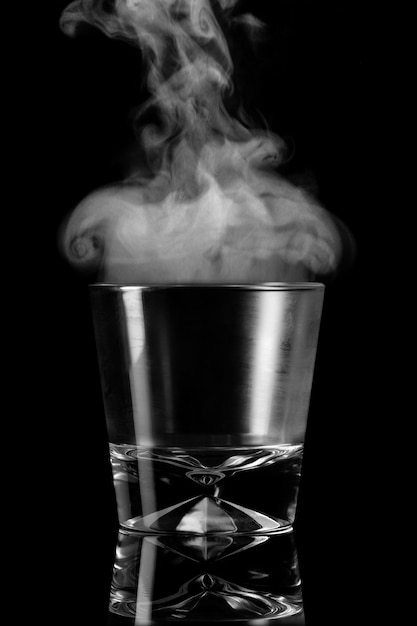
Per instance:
(206,392)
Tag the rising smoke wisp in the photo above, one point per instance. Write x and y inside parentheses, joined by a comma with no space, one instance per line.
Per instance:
(209,204)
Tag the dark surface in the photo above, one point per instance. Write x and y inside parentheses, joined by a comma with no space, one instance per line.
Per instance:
(321,98)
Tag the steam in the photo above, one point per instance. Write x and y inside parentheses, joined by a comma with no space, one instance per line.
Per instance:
(208,204)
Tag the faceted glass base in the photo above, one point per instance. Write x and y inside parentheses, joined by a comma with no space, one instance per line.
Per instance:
(206,490)
(206,534)
(206,515)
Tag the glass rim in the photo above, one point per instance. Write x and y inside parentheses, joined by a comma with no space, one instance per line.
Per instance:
(269,286)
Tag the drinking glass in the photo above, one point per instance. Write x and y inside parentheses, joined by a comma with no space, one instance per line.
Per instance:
(206,391)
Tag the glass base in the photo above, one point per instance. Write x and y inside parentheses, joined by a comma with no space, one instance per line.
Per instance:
(206,490)
(206,515)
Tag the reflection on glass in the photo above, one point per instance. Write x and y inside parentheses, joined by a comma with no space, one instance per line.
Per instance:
(208,578)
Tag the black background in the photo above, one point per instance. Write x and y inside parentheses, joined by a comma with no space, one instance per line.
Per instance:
(316,83)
